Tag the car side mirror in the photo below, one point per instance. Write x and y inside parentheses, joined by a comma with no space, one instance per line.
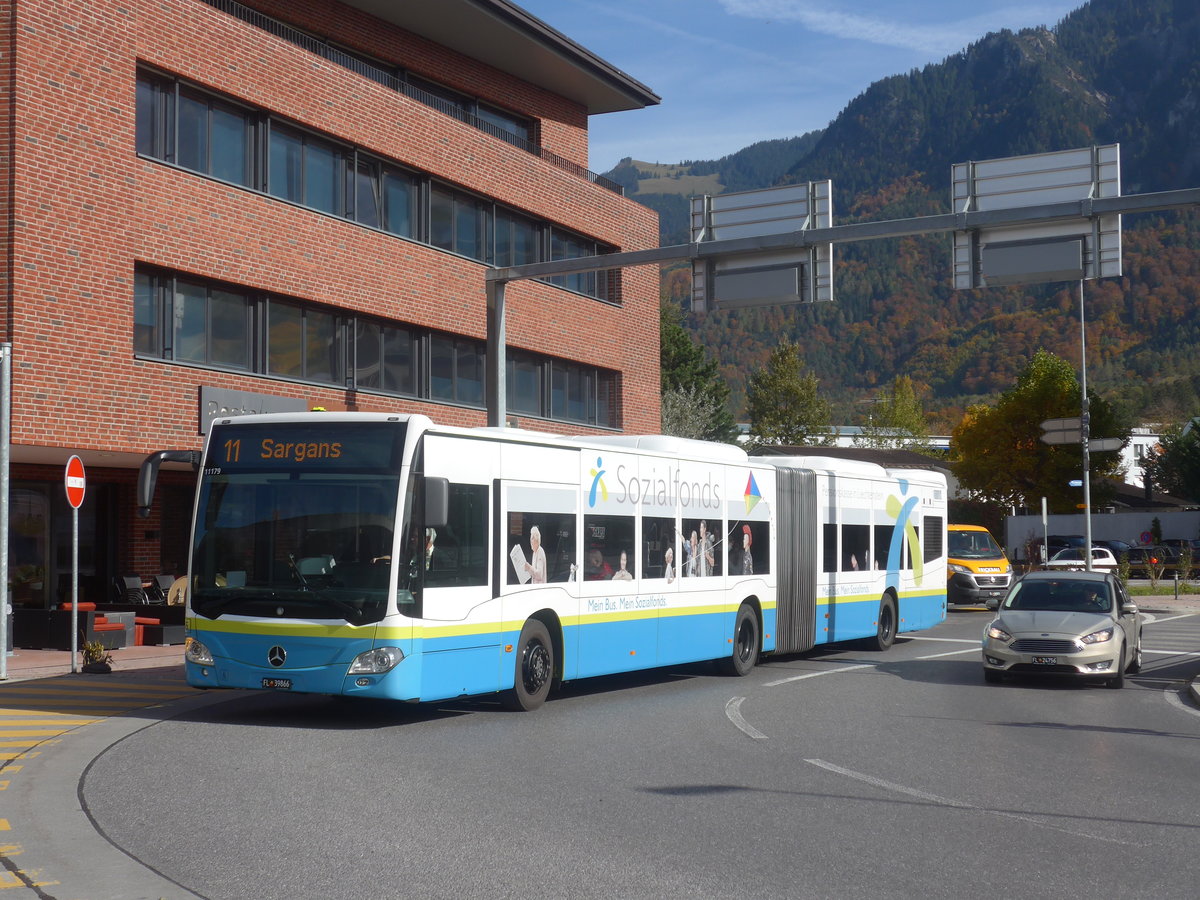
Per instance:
(1129,609)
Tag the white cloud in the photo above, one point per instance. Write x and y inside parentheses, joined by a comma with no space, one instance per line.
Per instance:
(823,17)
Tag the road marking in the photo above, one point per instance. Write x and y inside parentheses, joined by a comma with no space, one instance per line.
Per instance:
(792,678)
(1151,618)
(1172,695)
(733,712)
(974,649)
(957,804)
(974,641)
(1171,652)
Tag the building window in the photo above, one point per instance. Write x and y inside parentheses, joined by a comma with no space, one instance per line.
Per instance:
(564,245)
(459,223)
(517,239)
(385,358)
(456,370)
(303,343)
(214,138)
(209,324)
(306,170)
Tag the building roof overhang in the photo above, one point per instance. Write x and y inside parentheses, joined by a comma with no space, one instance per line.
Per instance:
(508,38)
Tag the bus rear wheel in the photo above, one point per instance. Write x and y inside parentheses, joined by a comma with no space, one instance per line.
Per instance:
(746,643)
(534,669)
(885,625)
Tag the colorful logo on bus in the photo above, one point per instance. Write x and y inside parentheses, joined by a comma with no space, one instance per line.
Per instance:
(597,483)
(753,495)
(901,509)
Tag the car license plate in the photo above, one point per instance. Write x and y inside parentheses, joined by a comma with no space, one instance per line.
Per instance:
(277,684)
(1045,660)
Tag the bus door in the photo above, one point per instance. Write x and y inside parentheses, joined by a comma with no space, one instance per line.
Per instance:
(460,618)
(537,555)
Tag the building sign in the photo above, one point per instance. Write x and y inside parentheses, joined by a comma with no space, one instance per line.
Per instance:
(219,403)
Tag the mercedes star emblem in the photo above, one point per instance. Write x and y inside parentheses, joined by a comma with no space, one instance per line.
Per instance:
(276,656)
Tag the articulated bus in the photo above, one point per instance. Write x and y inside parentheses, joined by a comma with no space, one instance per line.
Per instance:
(385,556)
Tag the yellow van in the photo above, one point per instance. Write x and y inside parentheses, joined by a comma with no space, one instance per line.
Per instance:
(977,571)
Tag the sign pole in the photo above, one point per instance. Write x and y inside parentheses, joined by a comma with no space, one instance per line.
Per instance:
(1085,432)
(75,482)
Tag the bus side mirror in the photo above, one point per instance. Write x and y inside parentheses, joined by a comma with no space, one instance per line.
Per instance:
(148,474)
(437,502)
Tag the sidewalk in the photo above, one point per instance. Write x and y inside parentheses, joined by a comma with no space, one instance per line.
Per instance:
(26,664)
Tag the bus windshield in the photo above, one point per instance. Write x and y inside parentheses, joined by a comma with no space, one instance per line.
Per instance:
(297,521)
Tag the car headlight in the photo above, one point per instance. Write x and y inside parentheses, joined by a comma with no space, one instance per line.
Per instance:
(195,652)
(377,661)
(957,569)
(995,632)
(1098,637)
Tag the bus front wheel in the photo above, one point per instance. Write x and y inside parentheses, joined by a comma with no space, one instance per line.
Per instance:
(885,625)
(534,669)
(745,643)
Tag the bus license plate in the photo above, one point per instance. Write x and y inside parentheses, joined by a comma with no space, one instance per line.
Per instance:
(277,684)
(1045,660)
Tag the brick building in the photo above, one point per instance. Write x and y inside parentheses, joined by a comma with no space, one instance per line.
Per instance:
(214,206)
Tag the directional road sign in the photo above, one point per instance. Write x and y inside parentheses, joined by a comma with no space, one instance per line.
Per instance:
(1062,431)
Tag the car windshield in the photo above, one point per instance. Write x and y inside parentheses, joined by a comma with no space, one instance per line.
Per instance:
(1060,596)
(973,545)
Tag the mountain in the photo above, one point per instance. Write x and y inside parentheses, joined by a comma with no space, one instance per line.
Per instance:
(1113,71)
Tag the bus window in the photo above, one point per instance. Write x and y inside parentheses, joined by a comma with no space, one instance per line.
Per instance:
(829,533)
(456,553)
(660,550)
(883,546)
(608,548)
(749,548)
(855,548)
(702,548)
(541,547)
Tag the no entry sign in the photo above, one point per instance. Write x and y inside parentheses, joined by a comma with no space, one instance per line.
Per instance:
(76,482)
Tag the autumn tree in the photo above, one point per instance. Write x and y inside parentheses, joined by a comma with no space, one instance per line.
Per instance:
(999,454)
(695,399)
(897,419)
(1174,467)
(784,404)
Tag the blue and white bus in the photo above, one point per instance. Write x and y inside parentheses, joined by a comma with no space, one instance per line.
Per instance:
(385,556)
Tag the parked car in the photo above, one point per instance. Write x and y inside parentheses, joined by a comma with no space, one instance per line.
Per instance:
(1065,623)
(1116,546)
(1073,558)
(1141,559)
(1055,542)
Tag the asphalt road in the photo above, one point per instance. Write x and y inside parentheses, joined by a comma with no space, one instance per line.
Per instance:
(841,773)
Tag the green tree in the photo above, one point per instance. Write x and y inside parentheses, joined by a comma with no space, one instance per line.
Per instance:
(897,419)
(784,404)
(695,397)
(1174,468)
(998,450)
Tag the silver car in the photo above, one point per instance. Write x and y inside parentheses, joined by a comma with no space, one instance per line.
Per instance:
(1065,623)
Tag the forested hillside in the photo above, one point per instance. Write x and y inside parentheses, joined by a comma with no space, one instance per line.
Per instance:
(1124,71)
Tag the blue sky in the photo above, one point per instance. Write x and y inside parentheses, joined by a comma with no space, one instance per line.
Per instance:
(732,72)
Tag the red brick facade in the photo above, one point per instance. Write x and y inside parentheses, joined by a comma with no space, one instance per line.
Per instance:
(84,209)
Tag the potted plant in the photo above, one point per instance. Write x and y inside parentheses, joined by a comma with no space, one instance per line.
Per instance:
(96,659)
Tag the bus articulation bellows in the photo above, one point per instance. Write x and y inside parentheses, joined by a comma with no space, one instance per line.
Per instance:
(385,556)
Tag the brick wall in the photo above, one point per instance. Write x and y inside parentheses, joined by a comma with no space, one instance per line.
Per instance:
(86,209)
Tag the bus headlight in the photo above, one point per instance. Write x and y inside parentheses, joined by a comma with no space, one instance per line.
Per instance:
(377,661)
(196,652)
